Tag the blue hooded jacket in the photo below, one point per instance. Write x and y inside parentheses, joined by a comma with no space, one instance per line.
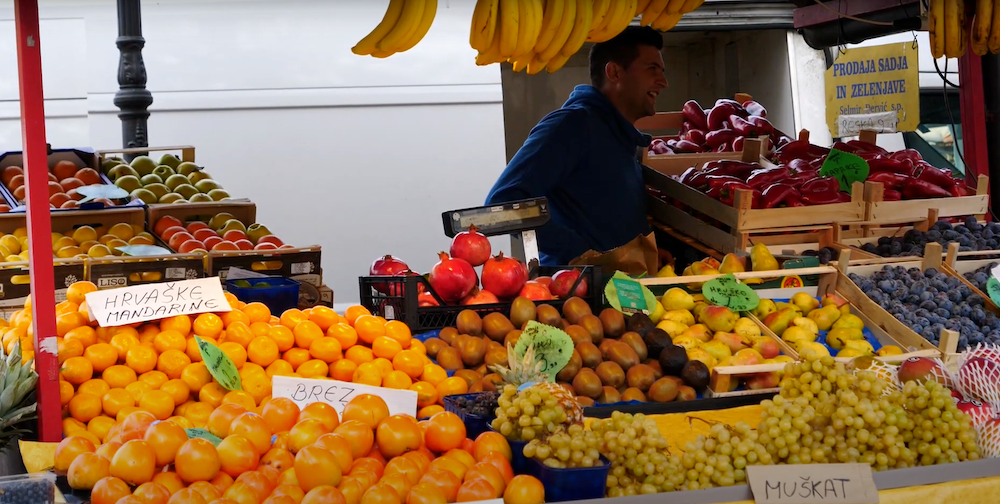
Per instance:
(581,157)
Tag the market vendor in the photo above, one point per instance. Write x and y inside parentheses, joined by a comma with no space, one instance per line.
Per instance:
(582,157)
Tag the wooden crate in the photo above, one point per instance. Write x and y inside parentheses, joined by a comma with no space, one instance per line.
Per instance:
(186,152)
(112,272)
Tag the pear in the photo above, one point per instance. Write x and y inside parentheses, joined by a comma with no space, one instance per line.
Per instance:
(889,350)
(676,299)
(746,327)
(152,178)
(700,268)
(672,328)
(175,180)
(825,317)
(232,224)
(812,347)
(765,308)
(731,264)
(778,321)
(761,258)
(700,332)
(719,318)
(159,190)
(681,316)
(861,345)
(143,164)
(187,168)
(186,190)
(796,333)
(179,201)
(687,342)
(850,352)
(219,219)
(838,338)
(108,163)
(654,315)
(666,272)
(700,354)
(164,171)
(128,182)
(170,198)
(849,320)
(805,302)
(201,198)
(170,160)
(121,170)
(805,323)
(782,305)
(256,231)
(145,195)
(718,349)
(199,175)
(218,194)
(207,185)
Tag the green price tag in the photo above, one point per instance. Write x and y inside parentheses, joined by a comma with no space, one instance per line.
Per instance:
(204,434)
(729,292)
(845,167)
(219,365)
(993,289)
(552,347)
(628,296)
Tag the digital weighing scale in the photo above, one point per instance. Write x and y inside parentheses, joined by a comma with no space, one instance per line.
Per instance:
(519,219)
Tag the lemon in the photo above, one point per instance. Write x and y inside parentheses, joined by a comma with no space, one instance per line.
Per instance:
(55,238)
(122,231)
(12,243)
(4,251)
(140,240)
(114,244)
(13,258)
(84,234)
(106,238)
(21,232)
(99,250)
(65,241)
(85,246)
(69,251)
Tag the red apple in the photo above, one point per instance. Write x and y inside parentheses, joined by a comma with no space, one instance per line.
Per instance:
(233,235)
(544,280)
(212,241)
(535,291)
(244,244)
(164,223)
(224,245)
(191,245)
(271,239)
(178,238)
(196,225)
(171,231)
(203,233)
(265,246)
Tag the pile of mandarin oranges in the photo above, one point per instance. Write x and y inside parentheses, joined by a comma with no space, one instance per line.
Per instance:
(285,455)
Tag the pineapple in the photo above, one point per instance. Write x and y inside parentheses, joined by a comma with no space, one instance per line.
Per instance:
(528,370)
(17,403)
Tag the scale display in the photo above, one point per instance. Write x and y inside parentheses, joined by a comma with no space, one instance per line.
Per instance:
(498,219)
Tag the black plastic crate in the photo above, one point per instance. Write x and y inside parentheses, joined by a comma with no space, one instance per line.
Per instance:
(399,299)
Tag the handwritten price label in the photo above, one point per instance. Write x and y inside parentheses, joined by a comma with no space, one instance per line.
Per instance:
(993,290)
(813,484)
(219,365)
(305,391)
(845,167)
(552,347)
(729,292)
(879,122)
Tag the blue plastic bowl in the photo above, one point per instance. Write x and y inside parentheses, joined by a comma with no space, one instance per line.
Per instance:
(282,293)
(474,424)
(518,462)
(580,483)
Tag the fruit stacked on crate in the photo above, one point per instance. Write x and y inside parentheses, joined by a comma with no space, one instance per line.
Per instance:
(286,455)
(65,180)
(81,242)
(759,259)
(167,181)
(157,367)
(981,275)
(223,232)
(722,128)
(970,235)
(824,326)
(929,301)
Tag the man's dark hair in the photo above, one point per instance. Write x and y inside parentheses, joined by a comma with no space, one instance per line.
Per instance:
(623,49)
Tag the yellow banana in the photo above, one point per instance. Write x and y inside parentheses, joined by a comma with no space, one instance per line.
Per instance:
(615,12)
(952,32)
(525,14)
(556,63)
(367,45)
(491,54)
(641,7)
(691,5)
(484,23)
(536,65)
(551,17)
(522,62)
(581,27)
(994,42)
(674,7)
(602,11)
(508,28)
(656,7)
(537,17)
(563,30)
(623,20)
(408,23)
(936,24)
(426,19)
(981,27)
(666,21)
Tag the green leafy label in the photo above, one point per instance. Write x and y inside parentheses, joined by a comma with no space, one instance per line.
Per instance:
(628,296)
(847,168)
(219,365)
(204,434)
(993,289)
(553,347)
(729,292)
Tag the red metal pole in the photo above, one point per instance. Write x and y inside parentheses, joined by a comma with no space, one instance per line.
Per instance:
(36,170)
(973,112)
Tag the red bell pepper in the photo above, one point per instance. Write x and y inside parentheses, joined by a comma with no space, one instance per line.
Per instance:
(959,189)
(935,176)
(798,165)
(891,195)
(717,181)
(724,148)
(695,136)
(764,177)
(887,165)
(685,127)
(728,194)
(911,154)
(694,114)
(779,194)
(738,169)
(754,109)
(798,178)
(820,185)
(920,189)
(738,143)
(820,198)
(889,180)
(737,106)
(794,201)
(672,143)
(743,127)
(719,114)
(659,146)
(762,125)
(867,147)
(715,138)
(690,174)
(687,147)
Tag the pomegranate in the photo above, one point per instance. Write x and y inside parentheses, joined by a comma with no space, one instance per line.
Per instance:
(386,265)
(504,276)
(426,299)
(535,291)
(452,278)
(471,246)
(482,297)
(399,289)
(563,281)
(544,280)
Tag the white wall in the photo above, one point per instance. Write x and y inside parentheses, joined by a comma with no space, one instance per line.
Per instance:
(356,154)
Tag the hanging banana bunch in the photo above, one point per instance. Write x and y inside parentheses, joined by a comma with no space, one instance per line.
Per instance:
(405,23)
(952,33)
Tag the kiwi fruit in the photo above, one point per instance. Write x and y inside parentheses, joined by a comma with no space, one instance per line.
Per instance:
(522,311)
(622,354)
(585,402)
(672,360)
(611,374)
(448,334)
(511,338)
(496,326)
(656,340)
(635,341)
(548,315)
(473,351)
(613,322)
(563,324)
(468,375)
(469,322)
(640,323)
(433,345)
(655,366)
(664,389)
(633,394)
(575,309)
(450,359)
(590,355)
(609,395)
(640,376)
(593,325)
(606,344)
(578,334)
(685,393)
(586,383)
(571,368)
(494,356)
(695,374)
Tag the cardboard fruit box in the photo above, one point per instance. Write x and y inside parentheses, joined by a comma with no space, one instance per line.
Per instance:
(82,157)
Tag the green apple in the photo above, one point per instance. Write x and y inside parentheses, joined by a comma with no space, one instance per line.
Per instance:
(109,163)
(128,182)
(256,231)
(199,175)
(232,224)
(121,170)
(170,197)
(152,178)
(170,160)
(207,185)
(218,194)
(160,190)
(176,180)
(201,198)
(187,168)
(186,190)
(180,201)
(219,219)
(144,165)
(163,171)
(145,195)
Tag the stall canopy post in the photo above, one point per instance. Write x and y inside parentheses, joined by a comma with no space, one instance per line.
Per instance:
(974,144)
(132,98)
(36,175)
